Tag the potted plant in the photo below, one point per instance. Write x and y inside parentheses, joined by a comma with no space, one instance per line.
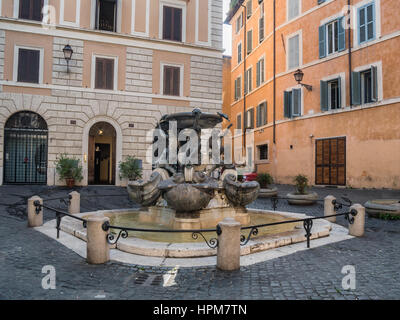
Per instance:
(130,169)
(265,179)
(301,195)
(69,169)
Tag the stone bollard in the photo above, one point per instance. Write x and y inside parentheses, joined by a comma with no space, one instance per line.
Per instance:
(329,208)
(97,247)
(357,228)
(228,253)
(34,219)
(74,203)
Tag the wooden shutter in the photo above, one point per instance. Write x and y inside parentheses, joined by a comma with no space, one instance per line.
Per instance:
(245,82)
(251,118)
(176,81)
(287,103)
(172,23)
(249,41)
(177,20)
(261,29)
(258,74)
(99,78)
(322,41)
(28,65)
(374,83)
(356,87)
(109,73)
(341,35)
(324,95)
(171,81)
(258,116)
(167,23)
(31,9)
(239,121)
(104,78)
(339,80)
(296,102)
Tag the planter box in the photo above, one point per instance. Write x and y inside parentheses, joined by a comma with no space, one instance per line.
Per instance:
(302,199)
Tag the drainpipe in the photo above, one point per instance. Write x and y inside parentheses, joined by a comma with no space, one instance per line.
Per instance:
(274,94)
(244,75)
(350,62)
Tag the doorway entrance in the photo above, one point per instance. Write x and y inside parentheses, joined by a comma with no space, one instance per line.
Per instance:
(25,149)
(102,154)
(330,161)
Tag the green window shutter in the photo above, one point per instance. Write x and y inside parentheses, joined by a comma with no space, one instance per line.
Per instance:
(265,113)
(374,83)
(252,118)
(258,74)
(235,89)
(324,95)
(341,35)
(287,104)
(339,92)
(356,84)
(296,102)
(245,82)
(258,116)
(322,44)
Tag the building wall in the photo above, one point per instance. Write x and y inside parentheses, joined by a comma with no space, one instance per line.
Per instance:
(69,103)
(373,158)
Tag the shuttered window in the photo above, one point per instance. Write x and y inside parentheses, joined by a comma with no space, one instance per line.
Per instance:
(261,114)
(365,86)
(260,77)
(172,81)
(331,94)
(263,152)
(28,65)
(104,78)
(249,8)
(172,24)
(31,9)
(239,53)
(248,81)
(239,121)
(332,37)
(261,23)
(238,88)
(292,103)
(249,41)
(249,120)
(366,23)
(294,52)
(293,9)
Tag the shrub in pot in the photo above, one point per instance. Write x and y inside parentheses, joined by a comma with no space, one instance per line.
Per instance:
(265,179)
(69,169)
(301,196)
(130,169)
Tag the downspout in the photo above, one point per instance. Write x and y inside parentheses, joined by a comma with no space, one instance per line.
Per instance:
(244,76)
(350,62)
(274,94)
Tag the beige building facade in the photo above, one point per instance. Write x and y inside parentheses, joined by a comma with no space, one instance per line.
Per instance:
(133,61)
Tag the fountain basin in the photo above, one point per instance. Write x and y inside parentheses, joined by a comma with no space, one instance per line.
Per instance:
(150,244)
(383,206)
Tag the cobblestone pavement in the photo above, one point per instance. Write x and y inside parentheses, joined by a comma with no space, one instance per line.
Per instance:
(310,274)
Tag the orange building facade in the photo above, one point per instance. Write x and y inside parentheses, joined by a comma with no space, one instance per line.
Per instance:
(339,125)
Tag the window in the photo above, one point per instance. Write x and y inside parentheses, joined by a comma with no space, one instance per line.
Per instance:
(28,65)
(239,53)
(249,118)
(248,81)
(332,37)
(238,88)
(249,8)
(293,9)
(294,52)
(261,114)
(106,15)
(260,78)
(172,81)
(292,103)
(172,23)
(331,94)
(249,41)
(365,86)
(366,23)
(321,1)
(104,78)
(261,24)
(239,121)
(31,9)
(263,152)
(239,22)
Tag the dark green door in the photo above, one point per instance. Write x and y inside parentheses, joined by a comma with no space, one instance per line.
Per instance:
(25,149)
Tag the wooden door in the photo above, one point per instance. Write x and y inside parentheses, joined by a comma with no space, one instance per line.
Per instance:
(330,161)
(91,160)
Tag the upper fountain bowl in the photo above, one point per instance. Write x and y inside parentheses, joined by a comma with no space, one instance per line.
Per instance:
(194,119)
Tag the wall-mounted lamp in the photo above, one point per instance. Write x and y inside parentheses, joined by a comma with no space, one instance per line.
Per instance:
(298,76)
(68,55)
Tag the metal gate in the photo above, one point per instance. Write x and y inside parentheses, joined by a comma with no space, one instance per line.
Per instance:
(25,149)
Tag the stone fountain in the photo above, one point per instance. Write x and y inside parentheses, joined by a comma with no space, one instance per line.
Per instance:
(190,195)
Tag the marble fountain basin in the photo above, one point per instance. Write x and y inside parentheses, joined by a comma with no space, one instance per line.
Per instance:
(182,245)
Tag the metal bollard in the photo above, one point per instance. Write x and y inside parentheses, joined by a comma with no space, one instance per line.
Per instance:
(74,205)
(35,213)
(357,227)
(228,252)
(97,247)
(329,208)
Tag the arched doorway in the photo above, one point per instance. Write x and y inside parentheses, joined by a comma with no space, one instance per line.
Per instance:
(25,149)
(102,154)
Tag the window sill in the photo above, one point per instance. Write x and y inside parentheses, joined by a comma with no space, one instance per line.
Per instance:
(262,161)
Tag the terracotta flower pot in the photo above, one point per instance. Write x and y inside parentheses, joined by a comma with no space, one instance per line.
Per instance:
(70,183)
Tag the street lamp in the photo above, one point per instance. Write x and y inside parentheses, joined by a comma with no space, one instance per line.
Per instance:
(68,55)
(298,76)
